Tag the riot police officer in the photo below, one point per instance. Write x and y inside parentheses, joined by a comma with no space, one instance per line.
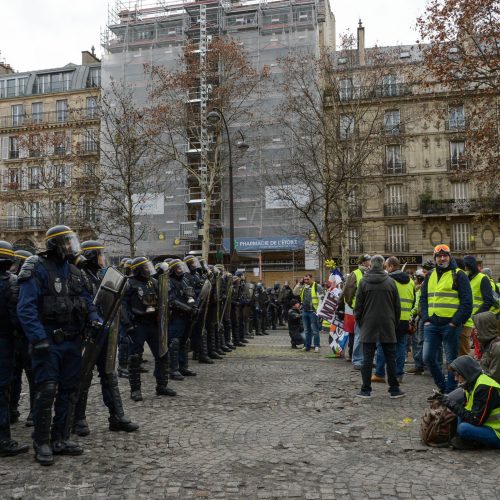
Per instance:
(236,310)
(96,355)
(8,325)
(140,318)
(54,307)
(123,340)
(261,306)
(226,290)
(182,301)
(22,361)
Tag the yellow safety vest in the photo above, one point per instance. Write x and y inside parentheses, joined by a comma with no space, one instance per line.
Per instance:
(442,300)
(359,274)
(406,298)
(477,296)
(495,309)
(494,417)
(314,296)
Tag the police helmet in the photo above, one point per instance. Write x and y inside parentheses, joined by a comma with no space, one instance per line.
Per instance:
(177,267)
(276,286)
(220,267)
(161,267)
(93,251)
(63,242)
(192,262)
(19,257)
(6,252)
(142,267)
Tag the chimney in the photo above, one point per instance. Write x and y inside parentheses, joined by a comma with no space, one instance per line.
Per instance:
(361,44)
(89,57)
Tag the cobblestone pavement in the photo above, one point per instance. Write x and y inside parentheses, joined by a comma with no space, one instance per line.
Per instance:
(266,422)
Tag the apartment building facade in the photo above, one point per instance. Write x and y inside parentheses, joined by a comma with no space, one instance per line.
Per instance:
(49,128)
(427,189)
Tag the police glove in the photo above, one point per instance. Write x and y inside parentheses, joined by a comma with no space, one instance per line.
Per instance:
(95,328)
(41,347)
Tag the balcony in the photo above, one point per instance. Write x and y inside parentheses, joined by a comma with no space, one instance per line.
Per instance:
(395,209)
(463,245)
(456,125)
(395,167)
(40,223)
(457,164)
(397,247)
(373,92)
(457,207)
(47,118)
(86,183)
(393,129)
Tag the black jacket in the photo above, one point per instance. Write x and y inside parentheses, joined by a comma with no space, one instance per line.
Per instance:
(377,308)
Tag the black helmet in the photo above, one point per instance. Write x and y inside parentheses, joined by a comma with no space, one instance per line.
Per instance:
(192,262)
(142,267)
(161,267)
(93,251)
(6,252)
(177,267)
(124,266)
(19,257)
(63,242)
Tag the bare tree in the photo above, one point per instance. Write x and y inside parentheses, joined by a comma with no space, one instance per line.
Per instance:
(334,115)
(222,79)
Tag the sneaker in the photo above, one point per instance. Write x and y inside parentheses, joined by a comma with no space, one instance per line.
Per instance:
(415,371)
(357,367)
(364,395)
(316,349)
(397,394)
(307,349)
(380,380)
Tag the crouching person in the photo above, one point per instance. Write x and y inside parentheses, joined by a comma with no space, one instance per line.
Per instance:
(295,328)
(479,412)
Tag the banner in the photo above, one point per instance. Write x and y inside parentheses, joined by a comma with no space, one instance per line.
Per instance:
(328,306)
(339,338)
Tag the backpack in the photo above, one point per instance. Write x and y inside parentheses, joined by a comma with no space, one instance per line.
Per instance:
(438,426)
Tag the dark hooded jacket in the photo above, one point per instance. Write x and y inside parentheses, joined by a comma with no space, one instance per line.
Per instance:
(486,397)
(486,324)
(377,308)
(464,294)
(486,289)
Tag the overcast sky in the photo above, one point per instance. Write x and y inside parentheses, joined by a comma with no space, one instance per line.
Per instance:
(42,34)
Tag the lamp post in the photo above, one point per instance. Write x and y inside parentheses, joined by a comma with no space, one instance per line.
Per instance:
(214,117)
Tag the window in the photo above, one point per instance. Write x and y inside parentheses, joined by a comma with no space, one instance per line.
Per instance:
(395,194)
(90,140)
(62,110)
(94,78)
(353,205)
(346,126)
(3,89)
(34,177)
(345,89)
(13,179)
(456,117)
(11,87)
(66,81)
(13,221)
(59,208)
(461,236)
(22,83)
(396,205)
(89,212)
(53,82)
(91,107)
(13,147)
(60,143)
(457,155)
(37,112)
(394,162)
(460,190)
(354,243)
(392,121)
(61,176)
(34,146)
(389,86)
(17,113)
(396,239)
(35,214)
(42,84)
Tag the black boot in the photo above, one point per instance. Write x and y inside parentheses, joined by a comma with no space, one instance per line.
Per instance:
(8,447)
(212,353)
(203,356)
(134,377)
(173,356)
(141,365)
(61,444)
(184,361)
(118,421)
(162,388)
(123,369)
(42,408)
(29,420)
(80,425)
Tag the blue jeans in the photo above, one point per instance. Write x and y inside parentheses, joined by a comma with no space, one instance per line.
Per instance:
(434,337)
(311,329)
(400,357)
(480,433)
(357,350)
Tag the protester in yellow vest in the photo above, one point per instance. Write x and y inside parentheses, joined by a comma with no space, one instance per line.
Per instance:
(482,300)
(479,413)
(406,293)
(445,305)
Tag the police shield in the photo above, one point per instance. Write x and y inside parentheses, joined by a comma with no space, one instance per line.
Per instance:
(205,291)
(163,285)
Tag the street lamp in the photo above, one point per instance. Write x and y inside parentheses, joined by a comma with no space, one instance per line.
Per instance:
(214,117)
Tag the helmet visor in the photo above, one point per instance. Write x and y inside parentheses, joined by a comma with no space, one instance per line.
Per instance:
(147,269)
(193,263)
(68,245)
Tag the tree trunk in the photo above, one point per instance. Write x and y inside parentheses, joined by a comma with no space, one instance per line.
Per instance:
(344,237)
(205,232)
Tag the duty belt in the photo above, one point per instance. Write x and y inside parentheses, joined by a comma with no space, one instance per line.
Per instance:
(59,336)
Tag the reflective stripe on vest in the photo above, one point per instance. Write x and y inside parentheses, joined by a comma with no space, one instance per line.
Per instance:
(442,300)
(493,420)
(359,274)
(477,296)
(406,298)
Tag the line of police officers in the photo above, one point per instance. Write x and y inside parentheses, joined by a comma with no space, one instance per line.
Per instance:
(51,327)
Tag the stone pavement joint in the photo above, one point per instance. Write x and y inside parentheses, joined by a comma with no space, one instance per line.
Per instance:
(266,422)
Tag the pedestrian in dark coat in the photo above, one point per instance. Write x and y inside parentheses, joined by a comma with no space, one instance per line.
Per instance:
(377,312)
